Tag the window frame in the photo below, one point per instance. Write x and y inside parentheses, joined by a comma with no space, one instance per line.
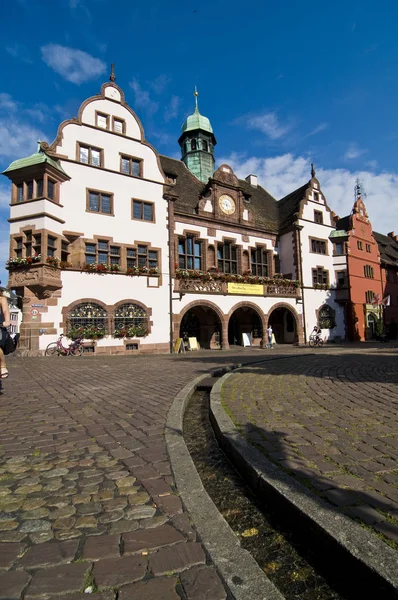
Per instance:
(318,217)
(368,272)
(368,248)
(185,257)
(99,113)
(318,241)
(122,121)
(20,189)
(131,159)
(90,148)
(359,245)
(255,265)
(233,248)
(143,203)
(316,271)
(100,193)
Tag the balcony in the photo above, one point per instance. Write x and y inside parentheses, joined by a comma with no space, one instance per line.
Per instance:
(240,285)
(38,277)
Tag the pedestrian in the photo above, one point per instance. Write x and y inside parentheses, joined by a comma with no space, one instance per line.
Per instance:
(269,337)
(4,323)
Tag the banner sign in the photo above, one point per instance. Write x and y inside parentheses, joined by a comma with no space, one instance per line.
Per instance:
(246,288)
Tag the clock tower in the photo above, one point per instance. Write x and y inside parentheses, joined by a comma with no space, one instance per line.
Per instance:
(197,143)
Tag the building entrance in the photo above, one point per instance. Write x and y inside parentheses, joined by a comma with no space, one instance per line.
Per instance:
(244,320)
(202,323)
(283,325)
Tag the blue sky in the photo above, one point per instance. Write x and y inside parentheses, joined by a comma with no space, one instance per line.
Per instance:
(284,84)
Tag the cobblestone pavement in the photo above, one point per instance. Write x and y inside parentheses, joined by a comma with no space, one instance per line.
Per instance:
(87,497)
(330,420)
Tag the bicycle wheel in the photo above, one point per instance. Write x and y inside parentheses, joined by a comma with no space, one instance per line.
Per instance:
(311,343)
(51,349)
(76,350)
(320,343)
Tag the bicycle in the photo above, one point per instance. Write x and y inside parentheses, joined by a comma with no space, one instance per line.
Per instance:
(315,340)
(75,348)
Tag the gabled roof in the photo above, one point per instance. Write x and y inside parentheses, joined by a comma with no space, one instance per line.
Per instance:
(189,189)
(290,205)
(388,249)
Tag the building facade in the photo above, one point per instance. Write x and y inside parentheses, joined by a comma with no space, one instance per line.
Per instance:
(132,250)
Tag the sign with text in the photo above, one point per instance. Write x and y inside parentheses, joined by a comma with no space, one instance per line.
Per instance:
(178,346)
(193,343)
(246,288)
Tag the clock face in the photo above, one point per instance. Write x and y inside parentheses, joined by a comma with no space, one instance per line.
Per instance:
(226,204)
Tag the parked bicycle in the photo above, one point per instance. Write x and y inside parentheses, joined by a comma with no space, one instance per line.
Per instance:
(75,348)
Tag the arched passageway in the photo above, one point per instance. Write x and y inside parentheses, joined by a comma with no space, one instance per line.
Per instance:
(202,323)
(245,320)
(283,323)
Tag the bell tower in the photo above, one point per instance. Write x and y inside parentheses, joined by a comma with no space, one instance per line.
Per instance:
(197,143)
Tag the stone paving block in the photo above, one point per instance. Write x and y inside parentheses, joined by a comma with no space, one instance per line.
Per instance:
(170,504)
(106,546)
(203,582)
(367,514)
(156,487)
(390,530)
(51,583)
(118,571)
(177,558)
(12,584)
(49,554)
(149,539)
(183,524)
(162,588)
(9,553)
(109,595)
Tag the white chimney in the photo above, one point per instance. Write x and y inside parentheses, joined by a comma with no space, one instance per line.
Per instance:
(252,179)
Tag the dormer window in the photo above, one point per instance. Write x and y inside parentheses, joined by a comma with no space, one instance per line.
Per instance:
(118,125)
(43,187)
(102,120)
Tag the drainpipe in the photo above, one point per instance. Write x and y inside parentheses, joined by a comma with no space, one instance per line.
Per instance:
(300,274)
(170,209)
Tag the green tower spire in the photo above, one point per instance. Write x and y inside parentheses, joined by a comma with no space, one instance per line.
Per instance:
(197,143)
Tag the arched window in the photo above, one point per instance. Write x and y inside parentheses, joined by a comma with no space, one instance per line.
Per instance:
(193,144)
(326,317)
(131,320)
(87,320)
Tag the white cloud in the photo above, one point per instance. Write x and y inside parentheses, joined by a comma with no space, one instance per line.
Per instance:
(73,65)
(160,83)
(5,193)
(267,123)
(142,98)
(318,129)
(17,138)
(7,103)
(171,111)
(19,51)
(283,174)
(353,151)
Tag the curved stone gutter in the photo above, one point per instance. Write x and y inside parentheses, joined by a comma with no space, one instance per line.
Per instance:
(240,572)
(355,553)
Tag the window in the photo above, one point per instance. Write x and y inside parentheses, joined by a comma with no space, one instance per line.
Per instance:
(100,202)
(37,243)
(359,245)
(39,188)
(20,192)
(114,253)
(205,146)
(90,156)
(318,217)
(339,248)
(91,253)
(64,251)
(131,320)
(142,256)
(102,121)
(341,278)
(51,245)
(103,252)
(193,144)
(50,189)
(143,210)
(320,276)
(368,249)
(189,253)
(259,262)
(318,246)
(227,258)
(131,166)
(89,316)
(326,317)
(118,125)
(18,247)
(316,196)
(368,271)
(369,297)
(28,243)
(29,190)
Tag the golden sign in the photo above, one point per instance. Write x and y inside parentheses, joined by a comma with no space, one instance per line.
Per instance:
(246,288)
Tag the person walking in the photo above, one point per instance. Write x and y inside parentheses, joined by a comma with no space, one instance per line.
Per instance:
(4,323)
(269,337)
